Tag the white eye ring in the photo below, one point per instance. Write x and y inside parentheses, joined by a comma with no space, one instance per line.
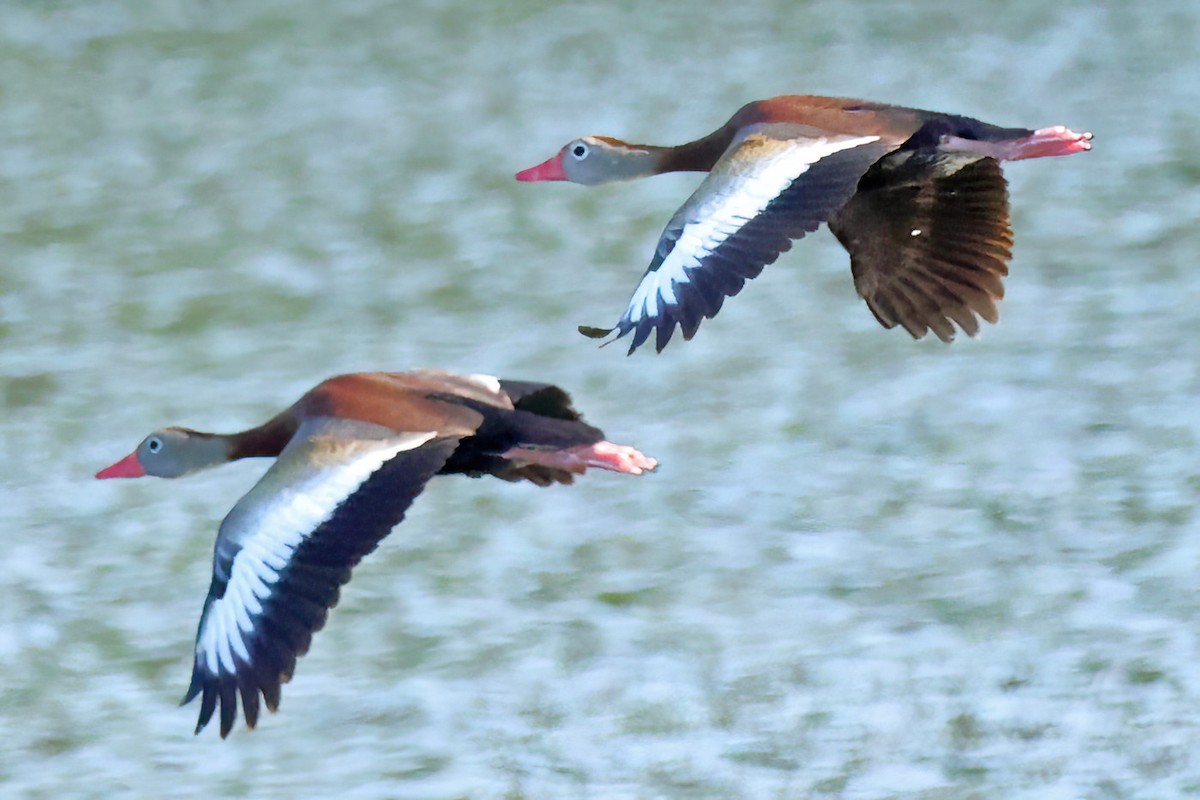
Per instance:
(579,151)
(154,445)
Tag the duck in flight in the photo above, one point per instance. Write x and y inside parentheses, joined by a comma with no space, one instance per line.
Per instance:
(916,197)
(350,456)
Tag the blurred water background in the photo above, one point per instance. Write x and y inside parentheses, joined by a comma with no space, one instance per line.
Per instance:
(868,567)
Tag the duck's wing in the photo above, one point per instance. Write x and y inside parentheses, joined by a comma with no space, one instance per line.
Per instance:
(289,544)
(929,240)
(775,183)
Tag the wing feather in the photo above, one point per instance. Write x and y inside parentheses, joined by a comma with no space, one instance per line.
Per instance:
(929,241)
(770,188)
(288,546)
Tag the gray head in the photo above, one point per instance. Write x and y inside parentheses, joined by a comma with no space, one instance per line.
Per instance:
(170,453)
(592,160)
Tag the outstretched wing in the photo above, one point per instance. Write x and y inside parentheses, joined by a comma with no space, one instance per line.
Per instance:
(775,184)
(289,544)
(929,240)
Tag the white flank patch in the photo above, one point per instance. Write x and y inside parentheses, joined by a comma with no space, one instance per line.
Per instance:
(722,212)
(300,492)
(489,382)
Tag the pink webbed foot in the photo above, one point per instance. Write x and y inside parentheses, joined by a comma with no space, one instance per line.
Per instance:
(1042,143)
(603,455)
(1056,141)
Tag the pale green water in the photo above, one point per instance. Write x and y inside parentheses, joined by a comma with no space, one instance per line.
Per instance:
(868,568)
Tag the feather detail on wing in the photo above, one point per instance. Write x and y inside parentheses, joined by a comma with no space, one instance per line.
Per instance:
(769,188)
(287,547)
(929,241)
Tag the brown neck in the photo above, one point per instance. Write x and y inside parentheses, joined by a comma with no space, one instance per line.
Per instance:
(267,439)
(697,156)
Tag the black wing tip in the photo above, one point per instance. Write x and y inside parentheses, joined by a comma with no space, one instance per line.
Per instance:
(204,686)
(218,697)
(193,690)
(213,703)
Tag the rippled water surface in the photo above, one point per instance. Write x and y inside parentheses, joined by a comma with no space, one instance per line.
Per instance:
(868,567)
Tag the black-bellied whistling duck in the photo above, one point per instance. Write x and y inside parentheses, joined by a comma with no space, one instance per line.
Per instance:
(352,454)
(916,197)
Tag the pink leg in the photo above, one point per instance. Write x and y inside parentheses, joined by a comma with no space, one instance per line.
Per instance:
(604,455)
(1056,141)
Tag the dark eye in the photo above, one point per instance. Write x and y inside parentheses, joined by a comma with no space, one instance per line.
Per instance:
(580,151)
(154,444)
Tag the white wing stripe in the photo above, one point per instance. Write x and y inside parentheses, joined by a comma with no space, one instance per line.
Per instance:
(223,649)
(726,212)
(269,536)
(249,589)
(267,563)
(236,612)
(244,609)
